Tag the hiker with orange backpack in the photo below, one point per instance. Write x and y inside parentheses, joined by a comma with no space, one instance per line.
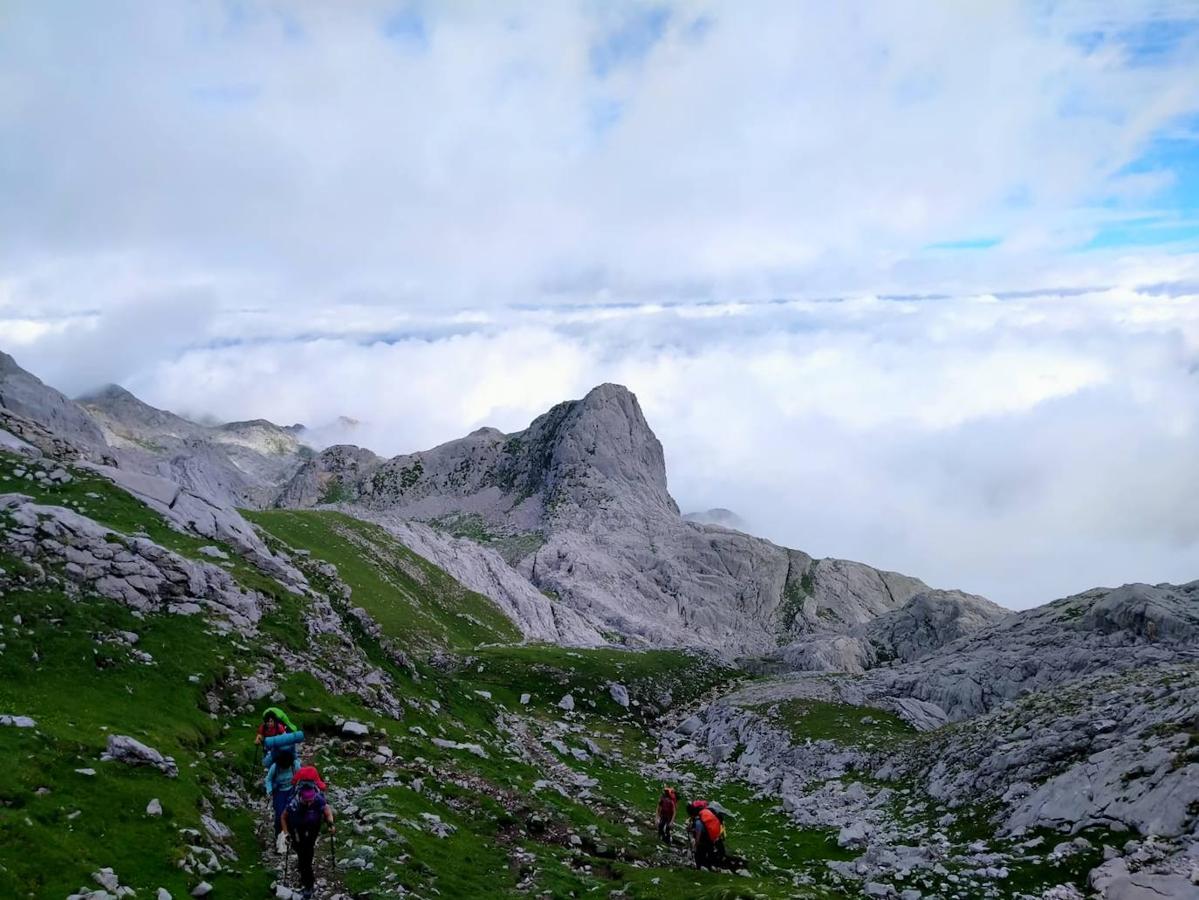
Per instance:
(302,821)
(668,805)
(706,826)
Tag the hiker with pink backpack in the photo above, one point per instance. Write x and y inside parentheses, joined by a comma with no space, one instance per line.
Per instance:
(302,821)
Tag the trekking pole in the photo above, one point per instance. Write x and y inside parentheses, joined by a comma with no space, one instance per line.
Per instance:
(287,865)
(333,848)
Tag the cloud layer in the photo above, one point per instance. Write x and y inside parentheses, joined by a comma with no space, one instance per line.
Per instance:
(1021,447)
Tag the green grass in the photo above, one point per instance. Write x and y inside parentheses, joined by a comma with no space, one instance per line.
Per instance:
(80,691)
(414,601)
(819,721)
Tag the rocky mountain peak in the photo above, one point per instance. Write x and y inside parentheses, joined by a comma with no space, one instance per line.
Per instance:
(604,450)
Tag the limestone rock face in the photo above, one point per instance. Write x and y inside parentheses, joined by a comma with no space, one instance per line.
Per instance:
(238,464)
(929,621)
(1101,631)
(194,513)
(36,413)
(484,571)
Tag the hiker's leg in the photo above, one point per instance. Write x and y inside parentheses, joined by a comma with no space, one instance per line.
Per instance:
(305,850)
(280,799)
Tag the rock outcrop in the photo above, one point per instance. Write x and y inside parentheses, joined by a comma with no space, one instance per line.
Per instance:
(1102,631)
(238,464)
(42,417)
(134,571)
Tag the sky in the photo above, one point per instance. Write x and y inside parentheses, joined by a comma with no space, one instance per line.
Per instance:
(911,283)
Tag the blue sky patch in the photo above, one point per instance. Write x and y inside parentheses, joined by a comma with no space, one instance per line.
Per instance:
(407,26)
(630,42)
(979,243)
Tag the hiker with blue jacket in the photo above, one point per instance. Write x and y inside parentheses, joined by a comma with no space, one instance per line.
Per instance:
(281,740)
(284,767)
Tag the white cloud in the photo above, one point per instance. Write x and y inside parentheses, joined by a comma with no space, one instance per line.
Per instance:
(299,156)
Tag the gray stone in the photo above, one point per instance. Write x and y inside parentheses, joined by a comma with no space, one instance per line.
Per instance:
(132,752)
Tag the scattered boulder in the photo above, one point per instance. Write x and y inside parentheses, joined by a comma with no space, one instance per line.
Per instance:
(132,752)
(154,807)
(619,694)
(107,879)
(18,721)
(354,729)
(567,702)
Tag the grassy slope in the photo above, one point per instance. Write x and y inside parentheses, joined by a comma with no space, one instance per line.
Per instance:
(412,599)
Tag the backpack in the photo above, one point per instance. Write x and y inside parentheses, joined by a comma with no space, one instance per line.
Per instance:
(307,807)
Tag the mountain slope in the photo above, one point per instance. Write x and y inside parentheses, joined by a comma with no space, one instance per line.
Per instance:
(583,489)
(239,464)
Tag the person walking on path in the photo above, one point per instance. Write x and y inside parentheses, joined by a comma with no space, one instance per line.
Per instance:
(668,805)
(279,788)
(302,821)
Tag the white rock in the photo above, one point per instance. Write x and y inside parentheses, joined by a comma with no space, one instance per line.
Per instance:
(525,698)
(18,721)
(567,702)
(619,694)
(154,807)
(107,879)
(355,729)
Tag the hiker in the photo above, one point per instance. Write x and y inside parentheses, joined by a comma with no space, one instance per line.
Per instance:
(668,805)
(693,808)
(709,838)
(302,822)
(279,788)
(274,722)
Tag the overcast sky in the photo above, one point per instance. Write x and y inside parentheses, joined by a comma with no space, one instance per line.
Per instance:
(916,284)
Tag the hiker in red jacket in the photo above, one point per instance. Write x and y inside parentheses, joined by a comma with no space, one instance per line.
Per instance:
(668,805)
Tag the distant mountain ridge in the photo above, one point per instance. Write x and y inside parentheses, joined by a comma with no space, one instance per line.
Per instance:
(576,505)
